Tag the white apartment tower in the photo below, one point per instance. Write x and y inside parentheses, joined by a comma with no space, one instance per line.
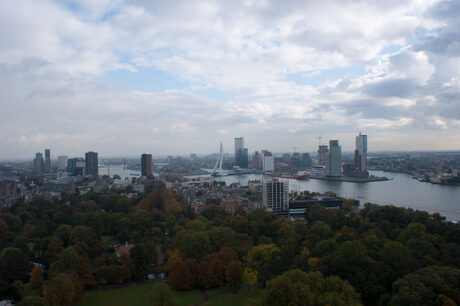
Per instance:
(275,194)
(334,159)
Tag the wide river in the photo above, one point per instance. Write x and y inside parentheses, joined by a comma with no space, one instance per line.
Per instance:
(400,190)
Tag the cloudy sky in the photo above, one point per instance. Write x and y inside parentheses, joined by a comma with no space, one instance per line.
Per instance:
(176,77)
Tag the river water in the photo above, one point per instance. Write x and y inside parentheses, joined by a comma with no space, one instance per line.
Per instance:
(400,190)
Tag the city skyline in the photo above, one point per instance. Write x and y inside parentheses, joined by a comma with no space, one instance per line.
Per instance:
(174,77)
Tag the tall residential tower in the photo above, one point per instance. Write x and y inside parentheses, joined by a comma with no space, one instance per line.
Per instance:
(91,163)
(146,165)
(334,159)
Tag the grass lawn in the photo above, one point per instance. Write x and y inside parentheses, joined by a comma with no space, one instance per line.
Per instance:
(240,298)
(135,296)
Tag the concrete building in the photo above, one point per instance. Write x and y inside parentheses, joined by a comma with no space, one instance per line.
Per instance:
(361,152)
(275,195)
(47,161)
(146,165)
(62,162)
(257,160)
(91,161)
(334,159)
(322,155)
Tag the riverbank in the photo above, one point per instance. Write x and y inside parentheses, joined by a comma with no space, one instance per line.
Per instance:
(351,179)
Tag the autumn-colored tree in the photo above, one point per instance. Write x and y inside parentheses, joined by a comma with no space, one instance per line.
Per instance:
(218,270)
(184,275)
(250,275)
(36,277)
(233,275)
(161,295)
(262,258)
(125,269)
(205,275)
(61,290)
(68,260)
(55,247)
(298,288)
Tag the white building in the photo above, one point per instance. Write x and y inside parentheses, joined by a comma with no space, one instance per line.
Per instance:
(334,159)
(361,152)
(268,163)
(62,162)
(275,194)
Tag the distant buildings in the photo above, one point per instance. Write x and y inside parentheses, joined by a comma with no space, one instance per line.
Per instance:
(38,162)
(241,153)
(268,162)
(334,159)
(275,195)
(47,161)
(146,165)
(91,163)
(76,166)
(62,162)
(322,155)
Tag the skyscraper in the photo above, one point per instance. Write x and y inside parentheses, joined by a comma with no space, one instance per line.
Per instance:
(146,165)
(91,162)
(47,161)
(322,155)
(39,165)
(361,152)
(62,162)
(76,166)
(275,194)
(241,154)
(334,159)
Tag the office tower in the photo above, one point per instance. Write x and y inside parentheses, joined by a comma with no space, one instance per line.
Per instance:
(239,151)
(361,152)
(334,159)
(47,161)
(257,160)
(306,160)
(91,163)
(275,194)
(76,166)
(322,155)
(39,164)
(62,162)
(245,159)
(146,165)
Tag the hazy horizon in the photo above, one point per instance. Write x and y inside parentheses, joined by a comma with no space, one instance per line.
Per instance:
(176,77)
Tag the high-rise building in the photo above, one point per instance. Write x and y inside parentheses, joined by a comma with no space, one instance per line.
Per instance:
(47,161)
(91,163)
(62,162)
(275,195)
(268,162)
(39,164)
(322,155)
(257,160)
(146,165)
(76,166)
(334,159)
(241,153)
(361,152)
